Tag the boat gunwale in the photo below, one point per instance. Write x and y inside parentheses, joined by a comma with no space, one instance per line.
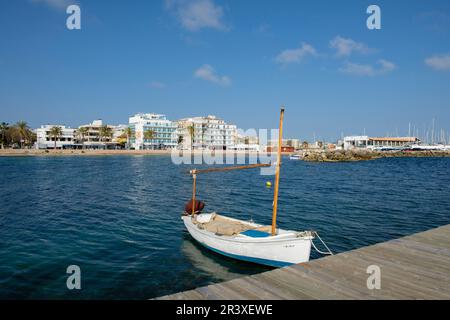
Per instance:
(287,235)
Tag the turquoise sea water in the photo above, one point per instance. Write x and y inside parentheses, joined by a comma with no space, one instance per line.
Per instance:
(118,218)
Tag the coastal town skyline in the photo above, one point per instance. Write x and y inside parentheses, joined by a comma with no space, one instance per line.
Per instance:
(429,132)
(335,78)
(149,131)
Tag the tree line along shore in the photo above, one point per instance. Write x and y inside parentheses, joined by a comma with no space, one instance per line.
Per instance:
(19,135)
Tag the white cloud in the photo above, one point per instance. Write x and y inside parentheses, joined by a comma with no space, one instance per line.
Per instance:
(367,69)
(386,66)
(197,14)
(345,47)
(296,55)
(439,62)
(156,85)
(207,72)
(56,4)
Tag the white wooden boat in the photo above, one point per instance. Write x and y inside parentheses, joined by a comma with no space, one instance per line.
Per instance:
(248,241)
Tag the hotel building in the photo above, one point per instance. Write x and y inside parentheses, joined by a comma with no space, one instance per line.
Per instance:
(93,139)
(209,133)
(162,133)
(46,141)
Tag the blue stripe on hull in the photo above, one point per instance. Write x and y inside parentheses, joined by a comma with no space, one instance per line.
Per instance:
(267,262)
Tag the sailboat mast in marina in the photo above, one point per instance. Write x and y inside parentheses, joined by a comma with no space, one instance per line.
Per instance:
(246,240)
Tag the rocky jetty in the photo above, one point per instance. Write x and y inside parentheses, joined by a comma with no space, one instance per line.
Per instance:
(364,155)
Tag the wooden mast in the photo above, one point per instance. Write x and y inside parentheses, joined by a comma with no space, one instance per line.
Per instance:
(277,174)
(194,176)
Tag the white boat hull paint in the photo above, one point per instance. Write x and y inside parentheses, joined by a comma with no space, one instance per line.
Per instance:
(285,248)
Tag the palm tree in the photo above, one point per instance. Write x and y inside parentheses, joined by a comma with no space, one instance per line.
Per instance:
(55,133)
(305,145)
(81,133)
(180,139)
(128,133)
(4,127)
(203,135)
(104,132)
(33,137)
(122,140)
(191,131)
(24,132)
(149,134)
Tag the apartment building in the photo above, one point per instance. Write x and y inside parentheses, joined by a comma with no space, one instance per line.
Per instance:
(209,132)
(46,141)
(152,131)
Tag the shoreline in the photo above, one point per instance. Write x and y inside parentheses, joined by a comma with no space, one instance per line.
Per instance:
(83,153)
(48,153)
(308,156)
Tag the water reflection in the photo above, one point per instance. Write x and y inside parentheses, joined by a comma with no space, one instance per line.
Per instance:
(215,265)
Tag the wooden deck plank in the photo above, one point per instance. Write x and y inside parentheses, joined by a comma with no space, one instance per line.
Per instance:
(293,290)
(193,295)
(359,277)
(358,273)
(412,267)
(403,259)
(354,278)
(231,288)
(422,264)
(324,282)
(411,284)
(420,246)
(274,292)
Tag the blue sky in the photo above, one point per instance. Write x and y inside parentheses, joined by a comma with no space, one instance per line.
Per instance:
(239,60)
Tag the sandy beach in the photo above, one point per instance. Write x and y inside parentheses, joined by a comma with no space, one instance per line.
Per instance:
(36,152)
(50,152)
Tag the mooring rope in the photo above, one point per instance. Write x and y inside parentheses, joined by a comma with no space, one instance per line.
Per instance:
(329,253)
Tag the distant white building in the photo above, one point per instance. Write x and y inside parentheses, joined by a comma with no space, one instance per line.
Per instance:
(92,138)
(352,142)
(46,141)
(152,131)
(209,133)
(355,142)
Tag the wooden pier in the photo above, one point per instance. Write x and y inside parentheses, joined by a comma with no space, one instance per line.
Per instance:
(413,267)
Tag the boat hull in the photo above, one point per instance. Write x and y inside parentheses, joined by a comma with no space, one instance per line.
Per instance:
(282,250)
